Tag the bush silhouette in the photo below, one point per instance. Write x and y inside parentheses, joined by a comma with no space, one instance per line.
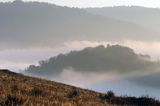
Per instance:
(73,93)
(109,95)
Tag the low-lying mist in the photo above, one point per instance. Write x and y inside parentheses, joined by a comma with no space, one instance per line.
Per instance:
(18,58)
(126,84)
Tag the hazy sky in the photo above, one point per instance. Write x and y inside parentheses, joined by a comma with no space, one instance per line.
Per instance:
(101,3)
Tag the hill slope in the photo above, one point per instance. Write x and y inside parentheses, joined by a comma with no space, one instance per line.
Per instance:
(32,91)
(17,89)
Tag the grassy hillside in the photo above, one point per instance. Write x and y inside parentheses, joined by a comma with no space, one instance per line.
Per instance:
(17,90)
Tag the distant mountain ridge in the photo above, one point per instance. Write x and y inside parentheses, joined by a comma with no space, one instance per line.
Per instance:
(29,24)
(147,17)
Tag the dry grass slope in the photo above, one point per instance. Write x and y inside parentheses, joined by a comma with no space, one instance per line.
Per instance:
(20,90)
(28,91)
